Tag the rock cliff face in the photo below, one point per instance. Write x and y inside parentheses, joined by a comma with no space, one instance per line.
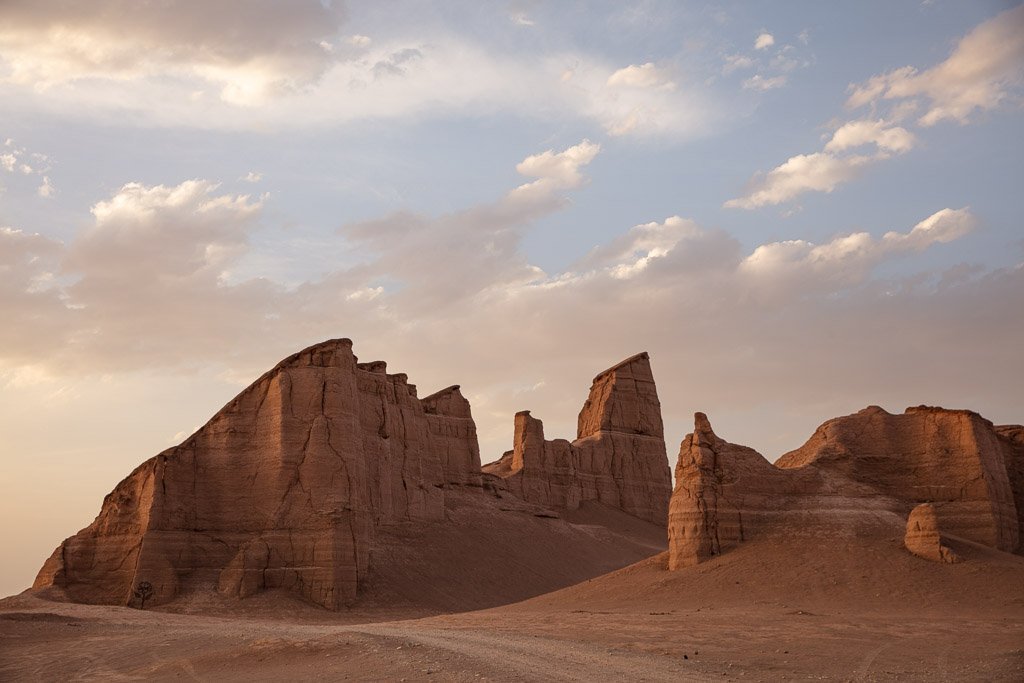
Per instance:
(281,488)
(325,470)
(618,457)
(861,474)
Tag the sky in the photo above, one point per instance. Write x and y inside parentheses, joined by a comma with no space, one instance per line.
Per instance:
(798,209)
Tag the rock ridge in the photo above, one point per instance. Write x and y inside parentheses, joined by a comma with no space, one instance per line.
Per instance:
(618,457)
(862,475)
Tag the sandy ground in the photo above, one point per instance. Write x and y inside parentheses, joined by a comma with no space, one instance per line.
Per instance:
(795,609)
(47,641)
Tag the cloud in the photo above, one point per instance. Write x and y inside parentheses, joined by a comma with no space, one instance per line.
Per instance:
(479,244)
(521,19)
(252,177)
(16,159)
(846,260)
(36,318)
(554,170)
(858,133)
(817,172)
(640,76)
(46,189)
(824,171)
(764,41)
(250,50)
(984,69)
(258,73)
(759,82)
(159,258)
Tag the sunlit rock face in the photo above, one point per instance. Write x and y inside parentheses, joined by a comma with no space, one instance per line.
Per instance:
(281,488)
(860,474)
(618,457)
(923,538)
(298,481)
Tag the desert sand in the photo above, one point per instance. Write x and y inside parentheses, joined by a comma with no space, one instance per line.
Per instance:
(771,609)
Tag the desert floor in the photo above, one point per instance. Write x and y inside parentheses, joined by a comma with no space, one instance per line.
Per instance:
(881,614)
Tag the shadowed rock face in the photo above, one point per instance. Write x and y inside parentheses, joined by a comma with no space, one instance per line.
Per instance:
(861,474)
(618,457)
(281,488)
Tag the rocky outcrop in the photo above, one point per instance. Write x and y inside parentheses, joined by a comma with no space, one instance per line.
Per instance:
(726,493)
(860,475)
(283,487)
(618,457)
(326,471)
(954,457)
(453,435)
(922,537)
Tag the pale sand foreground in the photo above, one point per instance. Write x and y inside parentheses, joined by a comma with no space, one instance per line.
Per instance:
(834,611)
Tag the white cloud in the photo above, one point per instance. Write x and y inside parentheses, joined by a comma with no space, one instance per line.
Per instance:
(824,171)
(764,41)
(984,69)
(817,172)
(521,19)
(252,177)
(847,260)
(479,244)
(759,82)
(876,132)
(554,170)
(640,76)
(45,190)
(145,66)
(251,50)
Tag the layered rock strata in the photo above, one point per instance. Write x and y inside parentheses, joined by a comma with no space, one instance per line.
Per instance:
(923,538)
(281,488)
(859,474)
(618,457)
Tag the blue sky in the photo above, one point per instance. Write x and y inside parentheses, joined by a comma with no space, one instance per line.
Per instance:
(798,208)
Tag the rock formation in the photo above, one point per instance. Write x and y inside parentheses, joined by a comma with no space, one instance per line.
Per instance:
(453,435)
(281,488)
(922,537)
(310,478)
(618,457)
(859,474)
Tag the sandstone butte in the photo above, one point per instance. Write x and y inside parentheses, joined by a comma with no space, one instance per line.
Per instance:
(288,484)
(860,475)
(618,457)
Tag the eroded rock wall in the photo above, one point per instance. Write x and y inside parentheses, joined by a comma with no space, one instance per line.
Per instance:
(618,457)
(925,455)
(281,488)
(861,475)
